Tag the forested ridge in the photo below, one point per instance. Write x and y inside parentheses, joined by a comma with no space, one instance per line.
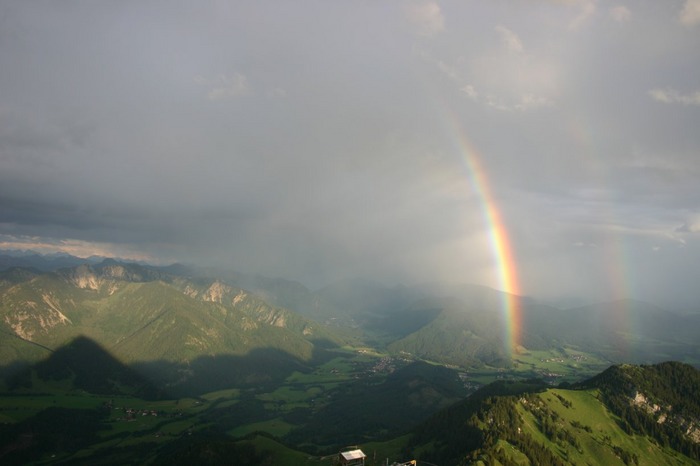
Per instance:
(661,401)
(630,415)
(471,430)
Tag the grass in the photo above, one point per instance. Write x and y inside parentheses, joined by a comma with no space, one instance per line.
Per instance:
(283,455)
(310,391)
(179,417)
(17,408)
(596,431)
(293,395)
(275,427)
(563,364)
(512,453)
(222,394)
(390,449)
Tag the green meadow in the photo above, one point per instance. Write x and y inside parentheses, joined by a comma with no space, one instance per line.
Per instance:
(129,422)
(565,364)
(576,425)
(262,417)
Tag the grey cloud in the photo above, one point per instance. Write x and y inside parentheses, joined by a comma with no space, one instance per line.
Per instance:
(690,14)
(318,140)
(670,96)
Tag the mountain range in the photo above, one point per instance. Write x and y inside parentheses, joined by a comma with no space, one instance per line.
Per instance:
(144,313)
(354,361)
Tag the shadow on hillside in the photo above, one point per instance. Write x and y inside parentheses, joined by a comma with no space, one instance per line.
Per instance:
(83,364)
(261,367)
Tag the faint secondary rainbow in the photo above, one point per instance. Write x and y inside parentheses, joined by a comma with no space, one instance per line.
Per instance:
(619,276)
(498,235)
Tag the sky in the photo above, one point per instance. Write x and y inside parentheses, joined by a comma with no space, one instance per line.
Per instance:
(322,140)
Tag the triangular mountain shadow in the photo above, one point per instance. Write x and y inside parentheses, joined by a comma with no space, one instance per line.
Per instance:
(91,368)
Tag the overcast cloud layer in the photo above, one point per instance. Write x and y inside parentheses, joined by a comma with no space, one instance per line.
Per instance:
(317,140)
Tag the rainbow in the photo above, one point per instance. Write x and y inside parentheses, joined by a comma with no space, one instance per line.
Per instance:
(620,277)
(498,235)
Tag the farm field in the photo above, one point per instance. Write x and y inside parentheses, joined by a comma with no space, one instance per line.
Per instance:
(558,365)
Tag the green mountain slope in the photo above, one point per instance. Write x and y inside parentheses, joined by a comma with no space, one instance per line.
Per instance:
(458,334)
(141,314)
(123,306)
(628,415)
(661,401)
(17,352)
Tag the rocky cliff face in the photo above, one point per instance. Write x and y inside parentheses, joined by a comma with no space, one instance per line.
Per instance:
(106,279)
(29,315)
(26,323)
(665,414)
(216,292)
(661,400)
(84,278)
(257,311)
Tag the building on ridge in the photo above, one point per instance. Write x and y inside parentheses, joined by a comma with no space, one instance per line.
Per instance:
(352,458)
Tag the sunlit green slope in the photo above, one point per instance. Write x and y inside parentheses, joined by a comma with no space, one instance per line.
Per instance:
(642,415)
(458,334)
(139,315)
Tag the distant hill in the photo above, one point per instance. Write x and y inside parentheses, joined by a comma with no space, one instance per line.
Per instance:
(457,334)
(463,324)
(42,262)
(620,331)
(641,415)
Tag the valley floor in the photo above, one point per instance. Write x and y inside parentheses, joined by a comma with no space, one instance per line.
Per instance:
(302,411)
